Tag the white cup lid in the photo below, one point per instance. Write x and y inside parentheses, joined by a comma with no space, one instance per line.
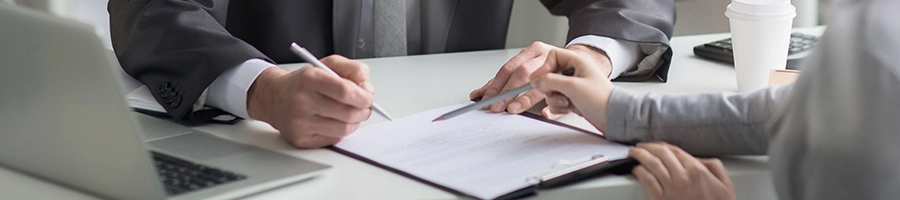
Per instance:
(762,7)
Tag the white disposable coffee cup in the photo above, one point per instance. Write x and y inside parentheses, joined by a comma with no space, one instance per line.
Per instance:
(760,32)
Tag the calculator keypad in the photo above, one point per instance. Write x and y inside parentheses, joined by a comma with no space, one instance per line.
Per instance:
(799,43)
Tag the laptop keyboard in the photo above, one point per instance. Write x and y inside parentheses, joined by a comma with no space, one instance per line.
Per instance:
(180,176)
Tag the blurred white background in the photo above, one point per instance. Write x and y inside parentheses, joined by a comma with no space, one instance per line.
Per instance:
(92,12)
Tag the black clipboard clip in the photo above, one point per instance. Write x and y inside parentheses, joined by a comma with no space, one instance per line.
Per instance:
(566,168)
(565,172)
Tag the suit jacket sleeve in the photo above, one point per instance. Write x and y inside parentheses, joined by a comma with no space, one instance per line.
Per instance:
(177,48)
(646,22)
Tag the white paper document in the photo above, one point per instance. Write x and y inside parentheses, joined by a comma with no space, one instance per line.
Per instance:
(482,154)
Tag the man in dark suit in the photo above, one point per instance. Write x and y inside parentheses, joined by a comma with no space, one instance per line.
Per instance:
(221,53)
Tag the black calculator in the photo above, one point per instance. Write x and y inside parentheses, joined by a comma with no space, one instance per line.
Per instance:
(721,50)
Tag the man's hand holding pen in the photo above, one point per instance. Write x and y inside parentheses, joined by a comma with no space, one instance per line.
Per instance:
(517,70)
(576,76)
(310,107)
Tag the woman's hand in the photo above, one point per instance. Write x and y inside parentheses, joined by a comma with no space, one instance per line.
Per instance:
(668,172)
(585,93)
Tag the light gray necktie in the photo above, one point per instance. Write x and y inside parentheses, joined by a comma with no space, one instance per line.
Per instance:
(390,27)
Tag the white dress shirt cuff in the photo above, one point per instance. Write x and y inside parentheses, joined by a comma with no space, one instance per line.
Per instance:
(229,91)
(622,54)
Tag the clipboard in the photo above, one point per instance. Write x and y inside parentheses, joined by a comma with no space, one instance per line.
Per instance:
(572,170)
(573,175)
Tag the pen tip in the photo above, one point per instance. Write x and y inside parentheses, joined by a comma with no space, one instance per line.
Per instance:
(438,119)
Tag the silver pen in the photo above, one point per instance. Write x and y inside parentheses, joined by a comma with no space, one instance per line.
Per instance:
(494,99)
(308,57)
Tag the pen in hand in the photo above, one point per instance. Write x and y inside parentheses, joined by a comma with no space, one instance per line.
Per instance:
(308,57)
(494,99)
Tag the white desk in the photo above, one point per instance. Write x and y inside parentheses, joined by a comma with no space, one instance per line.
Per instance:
(406,85)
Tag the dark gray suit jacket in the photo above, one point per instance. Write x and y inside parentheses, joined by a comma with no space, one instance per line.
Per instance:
(179,47)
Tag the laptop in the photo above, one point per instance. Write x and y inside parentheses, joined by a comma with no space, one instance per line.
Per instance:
(64,119)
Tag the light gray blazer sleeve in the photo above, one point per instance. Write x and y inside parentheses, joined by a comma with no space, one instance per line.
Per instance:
(706,124)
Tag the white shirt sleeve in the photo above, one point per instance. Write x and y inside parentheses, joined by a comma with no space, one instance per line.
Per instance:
(622,54)
(229,91)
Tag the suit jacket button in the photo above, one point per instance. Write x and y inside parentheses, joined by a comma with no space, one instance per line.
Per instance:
(170,99)
(163,87)
(175,102)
